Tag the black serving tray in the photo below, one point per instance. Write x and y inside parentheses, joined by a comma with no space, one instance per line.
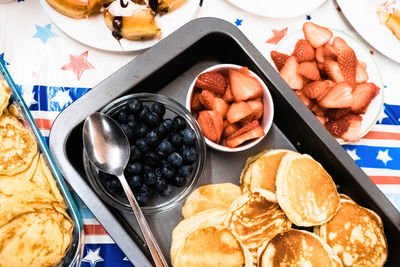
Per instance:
(169,68)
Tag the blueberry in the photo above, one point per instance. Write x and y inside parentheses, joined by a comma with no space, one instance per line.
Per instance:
(175,159)
(131,123)
(160,184)
(142,144)
(135,106)
(131,118)
(146,169)
(136,154)
(151,158)
(189,155)
(134,181)
(167,125)
(176,139)
(160,129)
(140,130)
(142,200)
(158,108)
(158,172)
(189,137)
(143,113)
(151,119)
(149,178)
(168,170)
(164,148)
(185,170)
(113,185)
(179,181)
(133,168)
(168,190)
(121,115)
(178,123)
(145,190)
(152,137)
(127,130)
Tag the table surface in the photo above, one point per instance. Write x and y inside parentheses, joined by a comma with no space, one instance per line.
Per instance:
(54,70)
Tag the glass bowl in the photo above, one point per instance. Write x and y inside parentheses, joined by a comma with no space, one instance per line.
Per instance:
(157,203)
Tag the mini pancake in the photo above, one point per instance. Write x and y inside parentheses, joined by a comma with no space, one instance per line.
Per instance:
(35,239)
(305,191)
(213,246)
(297,248)
(25,175)
(210,196)
(356,235)
(206,218)
(255,220)
(5,95)
(17,146)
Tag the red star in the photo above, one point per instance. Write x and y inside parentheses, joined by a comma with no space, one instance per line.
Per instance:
(371,52)
(78,64)
(278,35)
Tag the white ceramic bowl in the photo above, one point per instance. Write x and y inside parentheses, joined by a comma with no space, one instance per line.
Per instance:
(266,119)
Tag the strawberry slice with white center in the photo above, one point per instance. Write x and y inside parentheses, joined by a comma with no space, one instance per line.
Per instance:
(363,94)
(338,97)
(361,73)
(244,86)
(290,75)
(332,69)
(279,59)
(238,111)
(316,35)
(303,51)
(309,70)
(353,133)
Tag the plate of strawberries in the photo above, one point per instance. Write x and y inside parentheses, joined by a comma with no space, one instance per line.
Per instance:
(335,77)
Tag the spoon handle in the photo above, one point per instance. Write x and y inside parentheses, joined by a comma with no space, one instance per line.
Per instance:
(155,250)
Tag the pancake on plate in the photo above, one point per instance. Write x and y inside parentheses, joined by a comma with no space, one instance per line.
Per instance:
(5,95)
(305,191)
(213,246)
(206,218)
(297,248)
(210,196)
(256,220)
(356,235)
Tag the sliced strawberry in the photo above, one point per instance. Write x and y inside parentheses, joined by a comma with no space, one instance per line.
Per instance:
(321,119)
(353,133)
(220,106)
(331,84)
(238,111)
(279,59)
(228,97)
(363,95)
(329,53)
(361,74)
(245,128)
(196,104)
(212,81)
(230,129)
(332,69)
(319,54)
(244,86)
(315,89)
(337,113)
(317,110)
(257,108)
(347,61)
(211,125)
(207,99)
(290,75)
(309,70)
(338,97)
(245,71)
(338,43)
(303,51)
(316,35)
(337,127)
(303,98)
(362,64)
(252,134)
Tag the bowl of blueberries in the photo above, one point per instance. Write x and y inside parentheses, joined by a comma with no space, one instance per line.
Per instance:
(168,153)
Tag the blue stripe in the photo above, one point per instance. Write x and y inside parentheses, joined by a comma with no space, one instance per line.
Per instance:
(368,154)
(112,256)
(393,115)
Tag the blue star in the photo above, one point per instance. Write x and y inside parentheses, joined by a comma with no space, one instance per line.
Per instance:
(238,22)
(20,1)
(5,63)
(44,33)
(384,86)
(308,17)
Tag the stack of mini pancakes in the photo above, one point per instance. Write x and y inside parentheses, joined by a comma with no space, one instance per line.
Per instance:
(35,229)
(266,221)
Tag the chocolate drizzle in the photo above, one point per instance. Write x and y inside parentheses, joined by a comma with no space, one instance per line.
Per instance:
(123,4)
(117,25)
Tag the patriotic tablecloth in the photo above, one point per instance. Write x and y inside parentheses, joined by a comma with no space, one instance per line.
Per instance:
(54,70)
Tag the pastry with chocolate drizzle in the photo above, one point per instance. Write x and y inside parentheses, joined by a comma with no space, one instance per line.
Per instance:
(78,9)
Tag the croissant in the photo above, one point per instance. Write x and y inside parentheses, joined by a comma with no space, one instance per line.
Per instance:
(78,9)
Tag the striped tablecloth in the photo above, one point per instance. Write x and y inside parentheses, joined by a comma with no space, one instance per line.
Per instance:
(54,70)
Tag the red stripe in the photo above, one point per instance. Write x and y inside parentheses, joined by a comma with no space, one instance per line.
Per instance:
(44,124)
(385,179)
(382,135)
(94,229)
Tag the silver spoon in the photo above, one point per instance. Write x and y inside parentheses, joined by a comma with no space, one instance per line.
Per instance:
(108,149)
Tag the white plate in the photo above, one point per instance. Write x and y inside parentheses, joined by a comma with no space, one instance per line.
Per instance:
(94,32)
(362,16)
(287,44)
(278,9)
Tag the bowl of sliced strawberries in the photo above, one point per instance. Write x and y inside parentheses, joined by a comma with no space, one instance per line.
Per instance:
(336,78)
(232,105)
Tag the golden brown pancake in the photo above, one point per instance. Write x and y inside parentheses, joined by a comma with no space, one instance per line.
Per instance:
(297,248)
(25,175)
(5,94)
(210,196)
(213,246)
(356,235)
(305,191)
(256,220)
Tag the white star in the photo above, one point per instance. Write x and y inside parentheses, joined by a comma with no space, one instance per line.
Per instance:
(62,98)
(27,94)
(125,259)
(353,154)
(384,156)
(382,116)
(93,257)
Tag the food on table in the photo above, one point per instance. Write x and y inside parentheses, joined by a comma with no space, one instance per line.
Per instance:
(35,228)
(229,106)
(211,195)
(163,151)
(307,196)
(329,79)
(78,9)
(389,15)
(367,245)
(298,248)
